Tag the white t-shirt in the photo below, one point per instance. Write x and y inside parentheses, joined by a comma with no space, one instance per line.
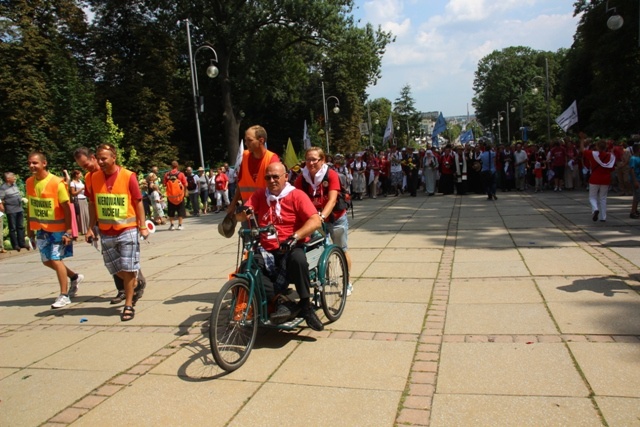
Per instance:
(78,186)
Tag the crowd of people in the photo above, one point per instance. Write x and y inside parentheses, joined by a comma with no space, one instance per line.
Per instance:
(112,205)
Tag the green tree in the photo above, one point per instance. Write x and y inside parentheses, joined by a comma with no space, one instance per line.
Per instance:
(601,70)
(46,97)
(139,68)
(407,116)
(272,57)
(511,74)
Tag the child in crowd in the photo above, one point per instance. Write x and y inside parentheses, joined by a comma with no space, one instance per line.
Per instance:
(156,203)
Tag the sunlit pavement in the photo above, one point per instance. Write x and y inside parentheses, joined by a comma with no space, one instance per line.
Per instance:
(521,311)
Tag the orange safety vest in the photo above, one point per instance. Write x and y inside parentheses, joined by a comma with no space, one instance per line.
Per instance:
(247,186)
(45,211)
(114,209)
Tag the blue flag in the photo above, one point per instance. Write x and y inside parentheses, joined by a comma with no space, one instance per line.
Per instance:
(440,126)
(466,137)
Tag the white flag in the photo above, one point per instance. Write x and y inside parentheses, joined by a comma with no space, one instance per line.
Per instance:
(305,137)
(569,117)
(239,156)
(388,132)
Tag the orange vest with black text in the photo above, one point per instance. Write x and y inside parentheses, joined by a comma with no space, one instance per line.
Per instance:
(45,211)
(247,186)
(114,207)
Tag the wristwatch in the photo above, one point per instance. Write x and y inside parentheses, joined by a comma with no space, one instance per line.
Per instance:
(322,216)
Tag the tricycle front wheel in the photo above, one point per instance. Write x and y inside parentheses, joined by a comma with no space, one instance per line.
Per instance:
(233,325)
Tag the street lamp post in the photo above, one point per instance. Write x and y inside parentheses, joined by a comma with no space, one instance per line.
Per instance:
(512,109)
(335,110)
(500,118)
(212,72)
(370,127)
(547,98)
(615,21)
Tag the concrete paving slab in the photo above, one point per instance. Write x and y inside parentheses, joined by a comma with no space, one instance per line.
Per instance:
(586,289)
(24,348)
(516,369)
(500,319)
(403,255)
(425,240)
(616,237)
(5,372)
(389,317)
(364,255)
(535,238)
(619,411)
(497,291)
(493,256)
(189,403)
(610,368)
(405,270)
(389,290)
(484,238)
(536,221)
(194,361)
(171,313)
(348,407)
(369,239)
(107,351)
(32,396)
(609,318)
(498,268)
(344,364)
(631,254)
(533,411)
(562,261)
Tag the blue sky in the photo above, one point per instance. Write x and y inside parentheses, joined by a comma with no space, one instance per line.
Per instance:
(439,42)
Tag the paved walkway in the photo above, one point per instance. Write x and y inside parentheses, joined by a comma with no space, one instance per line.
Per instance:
(465,312)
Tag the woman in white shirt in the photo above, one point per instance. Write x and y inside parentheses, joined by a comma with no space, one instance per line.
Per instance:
(76,189)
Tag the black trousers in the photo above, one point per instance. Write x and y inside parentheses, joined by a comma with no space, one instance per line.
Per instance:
(297,272)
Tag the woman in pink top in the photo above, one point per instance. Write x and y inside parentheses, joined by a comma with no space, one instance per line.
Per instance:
(602,163)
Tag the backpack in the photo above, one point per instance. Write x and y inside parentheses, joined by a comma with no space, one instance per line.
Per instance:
(191,182)
(344,195)
(174,188)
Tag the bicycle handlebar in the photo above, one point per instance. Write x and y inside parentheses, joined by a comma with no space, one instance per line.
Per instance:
(255,232)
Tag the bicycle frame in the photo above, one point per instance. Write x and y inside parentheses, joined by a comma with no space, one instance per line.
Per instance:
(249,271)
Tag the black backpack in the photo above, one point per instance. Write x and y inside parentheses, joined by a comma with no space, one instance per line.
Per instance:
(191,182)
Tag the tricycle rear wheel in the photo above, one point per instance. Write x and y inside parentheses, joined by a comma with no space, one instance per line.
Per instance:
(233,325)
(336,280)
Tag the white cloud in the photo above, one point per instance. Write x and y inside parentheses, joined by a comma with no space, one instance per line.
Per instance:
(437,52)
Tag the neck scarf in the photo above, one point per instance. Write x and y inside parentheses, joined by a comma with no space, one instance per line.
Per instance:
(605,164)
(317,179)
(288,188)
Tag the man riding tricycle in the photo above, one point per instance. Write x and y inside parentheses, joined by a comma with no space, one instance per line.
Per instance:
(282,245)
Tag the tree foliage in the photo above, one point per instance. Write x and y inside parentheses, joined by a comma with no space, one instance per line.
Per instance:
(407,117)
(602,70)
(46,99)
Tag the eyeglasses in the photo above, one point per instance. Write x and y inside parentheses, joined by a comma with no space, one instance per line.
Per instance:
(312,160)
(272,177)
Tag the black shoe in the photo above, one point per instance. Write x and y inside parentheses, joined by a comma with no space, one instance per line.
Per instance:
(310,316)
(139,291)
(594,217)
(285,311)
(118,298)
(495,197)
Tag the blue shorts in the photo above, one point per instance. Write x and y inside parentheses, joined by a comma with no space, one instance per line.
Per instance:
(121,252)
(339,230)
(51,247)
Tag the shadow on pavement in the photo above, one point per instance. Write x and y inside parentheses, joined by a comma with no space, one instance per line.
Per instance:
(605,286)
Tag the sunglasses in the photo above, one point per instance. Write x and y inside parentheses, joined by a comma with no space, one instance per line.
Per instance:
(272,177)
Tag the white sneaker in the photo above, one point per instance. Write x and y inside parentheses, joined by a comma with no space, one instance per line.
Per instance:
(73,286)
(349,289)
(61,301)
(180,227)
(171,227)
